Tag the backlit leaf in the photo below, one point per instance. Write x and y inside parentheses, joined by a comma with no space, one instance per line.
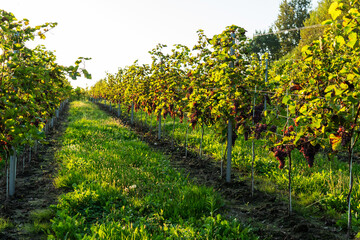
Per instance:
(352,39)
(334,11)
(340,40)
(335,142)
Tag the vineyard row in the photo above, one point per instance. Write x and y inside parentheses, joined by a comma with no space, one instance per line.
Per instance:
(33,89)
(217,84)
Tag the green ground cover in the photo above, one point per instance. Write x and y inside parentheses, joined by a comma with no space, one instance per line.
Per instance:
(118,188)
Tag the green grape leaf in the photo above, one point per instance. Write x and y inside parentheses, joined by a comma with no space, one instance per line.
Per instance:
(335,142)
(329,88)
(316,123)
(334,11)
(303,109)
(327,22)
(340,40)
(286,99)
(352,39)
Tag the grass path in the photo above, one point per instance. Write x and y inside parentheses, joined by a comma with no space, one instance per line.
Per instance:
(118,188)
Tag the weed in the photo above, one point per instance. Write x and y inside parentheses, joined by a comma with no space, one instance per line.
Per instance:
(5,224)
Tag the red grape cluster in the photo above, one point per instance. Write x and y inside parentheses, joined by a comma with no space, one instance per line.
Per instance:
(280,153)
(193,122)
(288,131)
(246,134)
(152,107)
(189,92)
(236,107)
(259,128)
(165,113)
(273,128)
(194,116)
(234,137)
(181,115)
(258,113)
(171,110)
(345,136)
(308,150)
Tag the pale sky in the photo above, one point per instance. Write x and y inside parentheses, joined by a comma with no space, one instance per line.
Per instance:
(115,33)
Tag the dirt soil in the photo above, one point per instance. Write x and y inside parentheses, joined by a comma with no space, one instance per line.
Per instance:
(35,190)
(266,213)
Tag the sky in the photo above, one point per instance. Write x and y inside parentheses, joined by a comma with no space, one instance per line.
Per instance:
(115,33)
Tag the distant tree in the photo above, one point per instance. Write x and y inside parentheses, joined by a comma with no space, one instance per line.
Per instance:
(316,17)
(302,11)
(292,15)
(266,42)
(77,93)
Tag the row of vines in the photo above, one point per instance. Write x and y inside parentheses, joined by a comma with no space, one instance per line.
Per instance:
(310,104)
(219,84)
(33,88)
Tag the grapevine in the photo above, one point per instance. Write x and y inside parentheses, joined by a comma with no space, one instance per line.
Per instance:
(32,84)
(219,84)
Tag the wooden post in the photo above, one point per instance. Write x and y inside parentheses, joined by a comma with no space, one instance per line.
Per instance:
(266,79)
(12,175)
(202,138)
(173,133)
(186,138)
(253,150)
(119,110)
(290,203)
(132,113)
(351,183)
(159,126)
(229,149)
(229,145)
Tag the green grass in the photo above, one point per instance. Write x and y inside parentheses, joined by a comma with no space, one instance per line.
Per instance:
(118,188)
(322,187)
(5,224)
(2,166)
(40,221)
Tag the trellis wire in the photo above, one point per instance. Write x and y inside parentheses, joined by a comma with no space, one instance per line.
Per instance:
(290,30)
